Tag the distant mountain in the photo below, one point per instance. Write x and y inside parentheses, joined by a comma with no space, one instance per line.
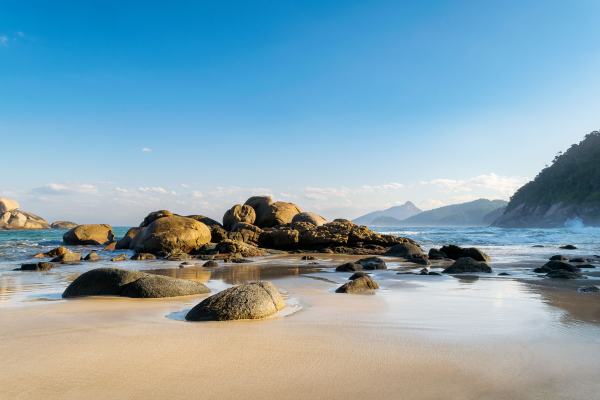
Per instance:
(465,214)
(385,221)
(404,211)
(490,217)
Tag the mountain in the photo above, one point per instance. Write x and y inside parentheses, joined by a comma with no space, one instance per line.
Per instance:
(385,221)
(465,214)
(568,189)
(490,217)
(404,211)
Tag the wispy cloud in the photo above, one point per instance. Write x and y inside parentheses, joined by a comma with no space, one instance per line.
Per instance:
(503,184)
(66,189)
(185,186)
(322,193)
(3,40)
(430,204)
(146,150)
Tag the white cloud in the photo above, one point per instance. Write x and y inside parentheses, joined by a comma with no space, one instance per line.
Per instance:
(21,34)
(184,185)
(464,199)
(316,196)
(430,204)
(3,40)
(322,193)
(503,184)
(66,189)
(379,189)
(153,190)
(288,196)
(147,150)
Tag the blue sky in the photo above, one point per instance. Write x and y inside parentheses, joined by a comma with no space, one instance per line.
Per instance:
(340,107)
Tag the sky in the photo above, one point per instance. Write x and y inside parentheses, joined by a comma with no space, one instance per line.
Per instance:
(111,110)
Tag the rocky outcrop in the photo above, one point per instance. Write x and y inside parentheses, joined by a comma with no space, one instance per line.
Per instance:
(261,205)
(89,235)
(309,217)
(172,233)
(455,252)
(238,213)
(467,264)
(153,216)
(205,220)
(8,205)
(17,220)
(125,241)
(548,216)
(156,286)
(358,285)
(278,213)
(245,232)
(229,246)
(248,301)
(63,225)
(407,250)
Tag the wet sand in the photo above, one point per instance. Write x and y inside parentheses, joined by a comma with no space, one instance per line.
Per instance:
(469,337)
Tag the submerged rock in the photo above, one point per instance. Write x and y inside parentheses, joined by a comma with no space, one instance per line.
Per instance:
(349,267)
(569,247)
(542,270)
(556,265)
(562,274)
(89,234)
(248,301)
(503,274)
(559,257)
(408,250)
(372,263)
(92,257)
(578,260)
(589,289)
(63,225)
(122,257)
(143,256)
(467,264)
(41,266)
(307,258)
(156,286)
(358,285)
(67,257)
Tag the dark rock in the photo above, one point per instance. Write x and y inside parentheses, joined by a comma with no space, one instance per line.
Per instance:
(434,273)
(143,256)
(41,266)
(57,252)
(156,286)
(587,266)
(562,274)
(404,250)
(101,282)
(372,263)
(467,264)
(92,257)
(504,274)
(435,254)
(357,275)
(556,265)
(210,264)
(308,258)
(349,267)
(452,251)
(241,261)
(569,247)
(589,289)
(559,257)
(537,245)
(476,254)
(358,285)
(424,271)
(248,301)
(67,257)
(542,270)
(126,240)
(578,260)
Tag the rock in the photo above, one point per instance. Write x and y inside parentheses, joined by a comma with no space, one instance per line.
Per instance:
(112,246)
(156,286)
(7,205)
(172,233)
(248,301)
(122,257)
(21,220)
(228,246)
(153,216)
(349,267)
(503,274)
(57,251)
(217,234)
(556,265)
(279,238)
(63,225)
(578,260)
(542,270)
(92,257)
(435,254)
(476,254)
(248,232)
(424,271)
(537,245)
(357,275)
(372,263)
(143,256)
(452,251)
(278,213)
(310,218)
(562,274)
(589,289)
(358,285)
(102,282)
(587,266)
(569,247)
(210,264)
(178,255)
(39,255)
(238,213)
(308,258)
(136,238)
(408,250)
(559,257)
(205,220)
(67,257)
(467,264)
(41,266)
(261,205)
(126,240)
(434,273)
(89,234)
(241,261)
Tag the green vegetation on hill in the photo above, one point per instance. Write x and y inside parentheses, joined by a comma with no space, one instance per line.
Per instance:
(465,214)
(573,178)
(385,221)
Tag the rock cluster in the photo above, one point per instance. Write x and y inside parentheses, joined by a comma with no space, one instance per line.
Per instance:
(11,218)
(455,252)
(467,264)
(63,225)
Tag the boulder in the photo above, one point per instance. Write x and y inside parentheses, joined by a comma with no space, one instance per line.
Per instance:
(218,234)
(102,282)
(136,238)
(569,247)
(248,301)
(556,265)
(229,246)
(307,258)
(57,251)
(281,237)
(358,285)
(420,261)
(89,234)
(261,205)
(67,257)
(92,257)
(589,289)
(205,220)
(110,247)
(39,255)
(309,217)
(408,250)
(587,266)
(238,213)
(7,205)
(21,220)
(467,264)
(562,274)
(278,213)
(559,257)
(41,266)
(156,286)
(435,254)
(503,274)
(372,263)
(177,255)
(248,232)
(357,275)
(125,241)
(452,251)
(122,257)
(349,267)
(63,225)
(153,216)
(578,260)
(172,233)
(143,256)
(476,254)
(424,271)
(542,270)
(210,264)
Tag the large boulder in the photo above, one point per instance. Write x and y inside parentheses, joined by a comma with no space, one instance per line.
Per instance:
(7,205)
(153,216)
(407,250)
(89,234)
(125,241)
(435,254)
(63,225)
(556,265)
(455,252)
(205,220)
(21,220)
(349,267)
(41,266)
(102,282)
(281,237)
(238,213)
(467,264)
(261,205)
(136,238)
(562,274)
(358,285)
(67,257)
(309,217)
(278,213)
(248,301)
(248,232)
(172,233)
(156,286)
(372,263)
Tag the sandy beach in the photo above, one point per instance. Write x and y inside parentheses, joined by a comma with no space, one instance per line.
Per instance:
(425,337)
